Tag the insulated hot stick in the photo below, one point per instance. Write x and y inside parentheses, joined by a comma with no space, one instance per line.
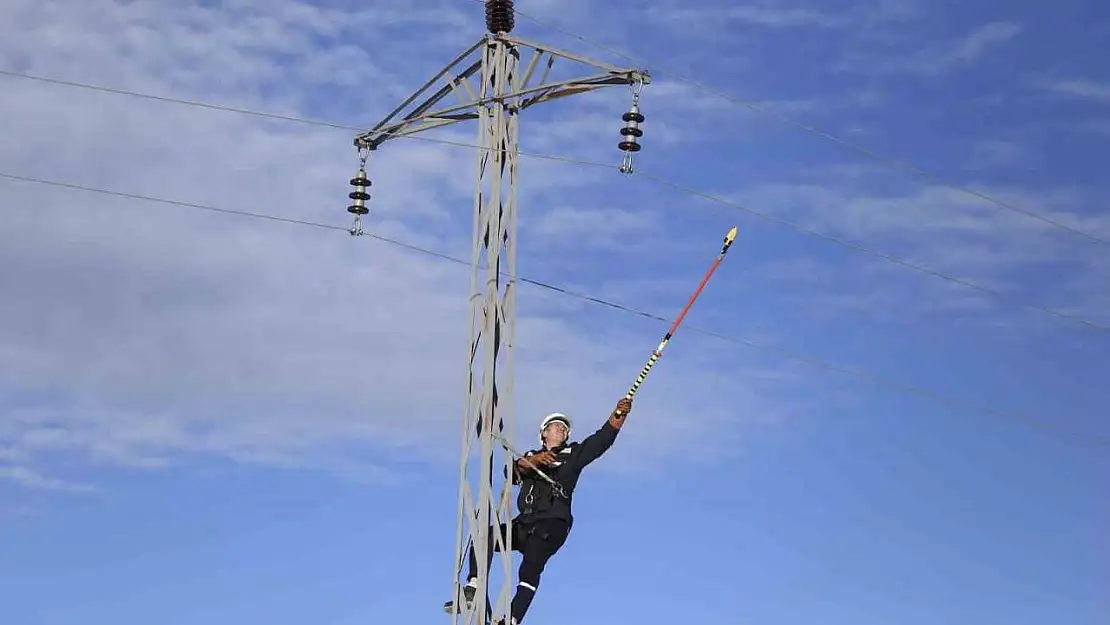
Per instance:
(729,238)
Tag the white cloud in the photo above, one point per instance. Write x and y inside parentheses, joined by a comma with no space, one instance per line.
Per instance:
(949,232)
(995,153)
(936,58)
(760,16)
(780,15)
(594,225)
(33,479)
(1080,88)
(152,335)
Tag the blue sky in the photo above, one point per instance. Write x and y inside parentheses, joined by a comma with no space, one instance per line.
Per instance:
(212,419)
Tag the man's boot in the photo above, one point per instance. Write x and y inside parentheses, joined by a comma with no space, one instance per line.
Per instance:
(468,592)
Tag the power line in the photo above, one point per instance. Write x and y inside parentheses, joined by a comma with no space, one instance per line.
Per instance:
(147,198)
(878,380)
(883,255)
(275,116)
(577,161)
(791,121)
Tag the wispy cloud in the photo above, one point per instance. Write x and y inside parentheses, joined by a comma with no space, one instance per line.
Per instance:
(760,16)
(999,153)
(950,232)
(1101,126)
(154,335)
(938,57)
(1080,88)
(784,15)
(592,225)
(144,346)
(30,478)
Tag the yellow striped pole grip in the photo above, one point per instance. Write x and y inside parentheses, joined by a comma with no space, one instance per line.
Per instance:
(643,375)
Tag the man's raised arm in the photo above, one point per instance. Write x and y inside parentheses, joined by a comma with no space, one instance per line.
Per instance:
(596,444)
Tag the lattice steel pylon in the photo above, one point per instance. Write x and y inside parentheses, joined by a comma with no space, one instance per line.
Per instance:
(502,93)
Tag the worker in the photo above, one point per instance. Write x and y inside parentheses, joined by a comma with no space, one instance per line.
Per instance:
(545,517)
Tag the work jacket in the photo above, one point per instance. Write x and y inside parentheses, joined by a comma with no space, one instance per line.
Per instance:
(537,498)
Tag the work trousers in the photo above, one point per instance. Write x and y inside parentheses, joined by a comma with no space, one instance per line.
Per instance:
(537,541)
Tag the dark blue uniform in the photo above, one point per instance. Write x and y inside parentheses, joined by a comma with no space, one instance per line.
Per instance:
(537,499)
(544,516)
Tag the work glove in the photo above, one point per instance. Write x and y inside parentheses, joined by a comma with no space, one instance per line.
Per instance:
(543,458)
(529,463)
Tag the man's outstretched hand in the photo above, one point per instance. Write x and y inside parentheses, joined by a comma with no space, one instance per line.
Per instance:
(624,406)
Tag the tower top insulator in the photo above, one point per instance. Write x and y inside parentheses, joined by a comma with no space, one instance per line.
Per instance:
(500,17)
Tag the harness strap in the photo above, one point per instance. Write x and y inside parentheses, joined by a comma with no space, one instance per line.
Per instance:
(559,490)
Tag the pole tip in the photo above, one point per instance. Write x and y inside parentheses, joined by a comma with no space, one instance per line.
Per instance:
(731,236)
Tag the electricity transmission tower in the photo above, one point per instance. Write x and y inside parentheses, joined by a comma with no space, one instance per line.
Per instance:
(503,91)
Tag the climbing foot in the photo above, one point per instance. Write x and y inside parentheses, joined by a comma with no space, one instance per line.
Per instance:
(468,592)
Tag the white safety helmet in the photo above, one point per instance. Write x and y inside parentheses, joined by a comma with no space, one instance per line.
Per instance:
(555,416)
